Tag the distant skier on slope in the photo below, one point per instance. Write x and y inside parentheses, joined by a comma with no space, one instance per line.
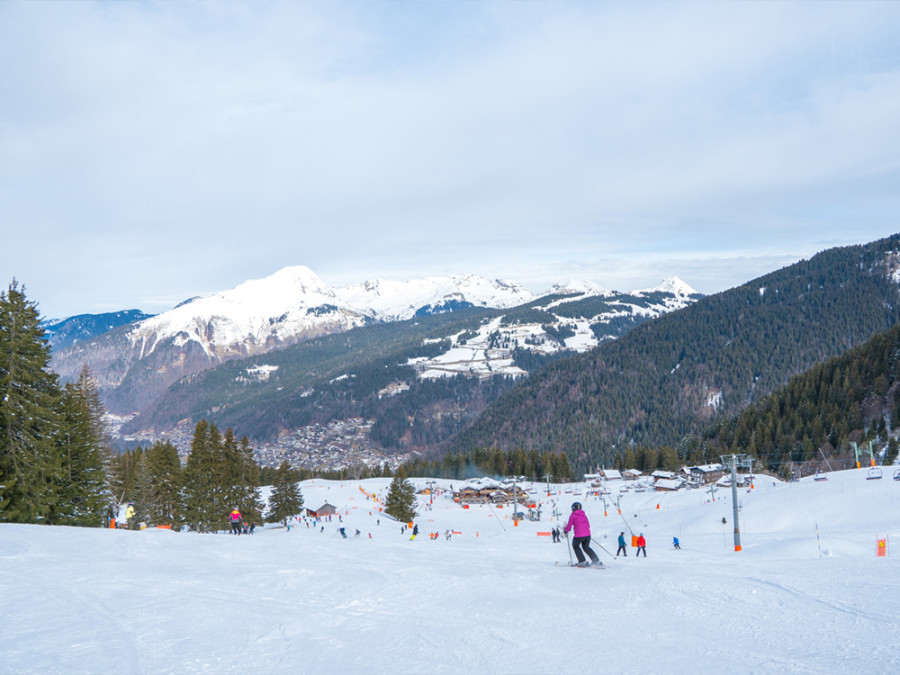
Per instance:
(130,519)
(236,521)
(581,539)
(622,549)
(641,546)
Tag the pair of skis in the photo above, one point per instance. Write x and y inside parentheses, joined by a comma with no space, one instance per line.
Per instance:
(592,566)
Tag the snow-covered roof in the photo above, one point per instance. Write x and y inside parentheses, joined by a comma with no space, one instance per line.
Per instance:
(668,483)
(706,468)
(611,474)
(659,473)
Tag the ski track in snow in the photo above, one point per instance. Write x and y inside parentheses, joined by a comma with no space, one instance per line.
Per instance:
(491,599)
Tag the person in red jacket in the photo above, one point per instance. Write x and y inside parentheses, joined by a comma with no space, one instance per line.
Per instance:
(642,545)
(581,539)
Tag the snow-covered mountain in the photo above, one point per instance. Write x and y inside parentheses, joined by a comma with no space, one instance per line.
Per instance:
(295,303)
(290,306)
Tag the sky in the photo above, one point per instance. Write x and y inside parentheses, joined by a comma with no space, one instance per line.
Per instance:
(806,594)
(153,151)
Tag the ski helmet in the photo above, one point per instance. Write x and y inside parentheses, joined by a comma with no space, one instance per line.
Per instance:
(576,506)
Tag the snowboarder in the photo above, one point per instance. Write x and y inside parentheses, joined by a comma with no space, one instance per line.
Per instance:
(674,543)
(641,545)
(622,549)
(581,536)
(236,521)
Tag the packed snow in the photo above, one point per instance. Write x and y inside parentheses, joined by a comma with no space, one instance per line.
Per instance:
(806,594)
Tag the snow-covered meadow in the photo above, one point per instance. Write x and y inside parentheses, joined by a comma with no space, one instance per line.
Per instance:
(490,599)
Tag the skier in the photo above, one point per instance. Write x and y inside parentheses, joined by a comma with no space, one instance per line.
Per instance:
(642,545)
(343,532)
(674,543)
(622,549)
(130,520)
(581,539)
(236,521)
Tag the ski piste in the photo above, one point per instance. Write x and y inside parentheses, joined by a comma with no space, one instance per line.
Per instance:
(596,566)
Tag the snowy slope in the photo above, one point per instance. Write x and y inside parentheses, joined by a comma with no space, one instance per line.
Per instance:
(305,600)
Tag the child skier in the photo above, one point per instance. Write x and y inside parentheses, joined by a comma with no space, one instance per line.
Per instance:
(581,538)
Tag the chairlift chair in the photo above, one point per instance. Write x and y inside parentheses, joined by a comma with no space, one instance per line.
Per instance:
(874,473)
(897,474)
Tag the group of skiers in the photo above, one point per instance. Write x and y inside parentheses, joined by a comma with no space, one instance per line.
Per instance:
(238,526)
(581,539)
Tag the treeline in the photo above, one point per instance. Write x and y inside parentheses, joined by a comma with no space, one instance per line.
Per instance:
(494,462)
(56,465)
(667,380)
(52,449)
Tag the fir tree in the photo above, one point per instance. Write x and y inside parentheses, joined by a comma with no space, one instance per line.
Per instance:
(401,498)
(161,471)
(202,494)
(286,500)
(29,460)
(84,496)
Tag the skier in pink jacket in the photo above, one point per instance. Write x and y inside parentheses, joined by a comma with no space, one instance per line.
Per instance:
(581,537)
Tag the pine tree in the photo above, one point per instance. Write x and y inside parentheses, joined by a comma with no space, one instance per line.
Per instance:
(286,500)
(251,503)
(401,498)
(202,495)
(29,461)
(161,468)
(84,496)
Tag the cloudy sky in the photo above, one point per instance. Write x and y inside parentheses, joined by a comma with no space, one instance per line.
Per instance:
(154,151)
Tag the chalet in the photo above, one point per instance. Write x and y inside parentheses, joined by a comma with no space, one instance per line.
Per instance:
(668,484)
(632,474)
(611,474)
(706,473)
(659,474)
(488,490)
(325,510)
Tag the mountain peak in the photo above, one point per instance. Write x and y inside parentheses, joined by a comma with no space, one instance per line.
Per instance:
(672,285)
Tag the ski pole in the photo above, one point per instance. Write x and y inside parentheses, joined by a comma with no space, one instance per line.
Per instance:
(602,547)
(569,547)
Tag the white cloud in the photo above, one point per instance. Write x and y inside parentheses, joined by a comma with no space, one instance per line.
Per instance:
(161,150)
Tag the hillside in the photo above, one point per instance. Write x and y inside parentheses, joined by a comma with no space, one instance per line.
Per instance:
(419,381)
(807,593)
(66,332)
(854,397)
(672,377)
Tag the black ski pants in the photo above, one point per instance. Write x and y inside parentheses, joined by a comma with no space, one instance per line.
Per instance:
(579,543)
(622,550)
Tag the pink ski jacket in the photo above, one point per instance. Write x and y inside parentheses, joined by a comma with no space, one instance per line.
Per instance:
(580,523)
(235,515)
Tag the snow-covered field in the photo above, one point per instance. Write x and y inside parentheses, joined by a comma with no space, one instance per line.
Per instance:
(489,600)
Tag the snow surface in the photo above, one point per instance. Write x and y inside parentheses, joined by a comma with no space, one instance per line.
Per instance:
(489,600)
